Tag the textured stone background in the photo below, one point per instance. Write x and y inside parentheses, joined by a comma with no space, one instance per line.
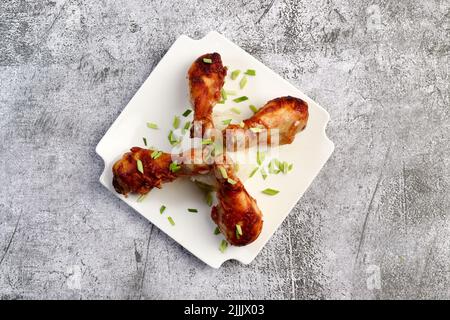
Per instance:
(378,210)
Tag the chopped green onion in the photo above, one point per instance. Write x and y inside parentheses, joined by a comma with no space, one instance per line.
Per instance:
(270,192)
(223,246)
(156,154)
(240,99)
(187,112)
(285,167)
(260,157)
(223,93)
(170,137)
(256,130)
(223,172)
(207,141)
(186,127)
(231,181)
(145,141)
(152,125)
(192,210)
(216,231)
(236,110)
(290,167)
(227,122)
(271,167)
(242,124)
(235,74)
(238,231)
(253,108)
(173,141)
(230,92)
(263,173)
(253,172)
(176,122)
(161,210)
(278,163)
(221,102)
(209,199)
(250,72)
(174,167)
(207,60)
(140,166)
(243,82)
(171,221)
(141,197)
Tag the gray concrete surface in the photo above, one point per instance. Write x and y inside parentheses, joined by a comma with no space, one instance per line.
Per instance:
(374,224)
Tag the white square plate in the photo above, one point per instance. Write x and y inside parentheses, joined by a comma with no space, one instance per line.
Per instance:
(165,94)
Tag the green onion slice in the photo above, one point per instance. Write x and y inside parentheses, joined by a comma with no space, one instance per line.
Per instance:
(156,154)
(253,108)
(243,82)
(140,166)
(270,192)
(227,122)
(223,246)
(240,99)
(236,110)
(223,172)
(253,172)
(250,72)
(263,173)
(238,231)
(171,221)
(152,125)
(223,93)
(207,60)
(174,167)
(207,141)
(235,74)
(216,231)
(285,167)
(187,112)
(176,122)
(145,140)
(161,210)
(192,210)
(231,181)
(260,157)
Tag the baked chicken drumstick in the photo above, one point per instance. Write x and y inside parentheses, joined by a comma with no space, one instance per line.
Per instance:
(206,78)
(288,115)
(140,170)
(237,215)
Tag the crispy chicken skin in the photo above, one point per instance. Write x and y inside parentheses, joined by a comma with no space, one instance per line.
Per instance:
(287,114)
(205,82)
(235,207)
(127,178)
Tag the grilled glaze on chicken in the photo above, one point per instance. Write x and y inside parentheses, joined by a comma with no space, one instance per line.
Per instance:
(206,78)
(288,115)
(237,215)
(127,177)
